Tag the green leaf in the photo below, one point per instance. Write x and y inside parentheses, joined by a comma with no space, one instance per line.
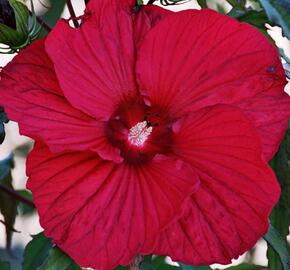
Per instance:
(121,268)
(21,16)
(36,252)
(159,263)
(9,36)
(23,208)
(281,211)
(246,266)
(58,260)
(202,3)
(237,3)
(15,38)
(278,12)
(54,13)
(5,265)
(2,133)
(278,243)
(190,267)
(5,167)
(8,206)
(3,116)
(146,266)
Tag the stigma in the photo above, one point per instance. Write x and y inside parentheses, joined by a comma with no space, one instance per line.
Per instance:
(139,133)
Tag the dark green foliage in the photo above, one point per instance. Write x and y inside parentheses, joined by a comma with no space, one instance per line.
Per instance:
(202,3)
(54,13)
(58,260)
(159,263)
(8,206)
(246,266)
(5,265)
(3,119)
(16,36)
(190,267)
(280,214)
(41,254)
(36,252)
(23,208)
(278,12)
(278,243)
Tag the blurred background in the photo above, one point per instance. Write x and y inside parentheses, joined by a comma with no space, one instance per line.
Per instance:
(27,223)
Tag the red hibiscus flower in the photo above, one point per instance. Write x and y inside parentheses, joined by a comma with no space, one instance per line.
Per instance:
(153,131)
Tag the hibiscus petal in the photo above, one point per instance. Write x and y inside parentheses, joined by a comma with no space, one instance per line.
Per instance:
(194,59)
(31,96)
(102,213)
(146,18)
(95,63)
(269,113)
(230,211)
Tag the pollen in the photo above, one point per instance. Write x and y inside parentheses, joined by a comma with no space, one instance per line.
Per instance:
(139,133)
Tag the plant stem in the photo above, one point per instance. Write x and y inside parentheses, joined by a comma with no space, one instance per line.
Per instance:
(42,22)
(135,264)
(150,2)
(15,195)
(72,13)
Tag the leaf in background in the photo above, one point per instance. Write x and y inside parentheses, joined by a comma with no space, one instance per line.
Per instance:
(3,116)
(246,266)
(279,244)
(121,268)
(23,208)
(190,267)
(21,16)
(5,265)
(278,12)
(8,206)
(58,260)
(54,13)
(146,263)
(202,3)
(280,214)
(146,266)
(3,119)
(253,17)
(159,263)
(36,252)
(16,37)
(5,166)
(237,3)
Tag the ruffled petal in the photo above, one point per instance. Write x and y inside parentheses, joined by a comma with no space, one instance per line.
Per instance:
(95,63)
(146,18)
(269,112)
(32,97)
(102,213)
(193,59)
(237,192)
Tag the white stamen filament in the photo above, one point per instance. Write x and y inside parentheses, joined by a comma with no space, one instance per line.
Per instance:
(139,133)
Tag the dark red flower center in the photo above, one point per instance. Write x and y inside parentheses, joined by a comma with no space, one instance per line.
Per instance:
(139,131)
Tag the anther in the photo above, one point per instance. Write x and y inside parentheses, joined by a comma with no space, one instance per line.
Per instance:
(139,133)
